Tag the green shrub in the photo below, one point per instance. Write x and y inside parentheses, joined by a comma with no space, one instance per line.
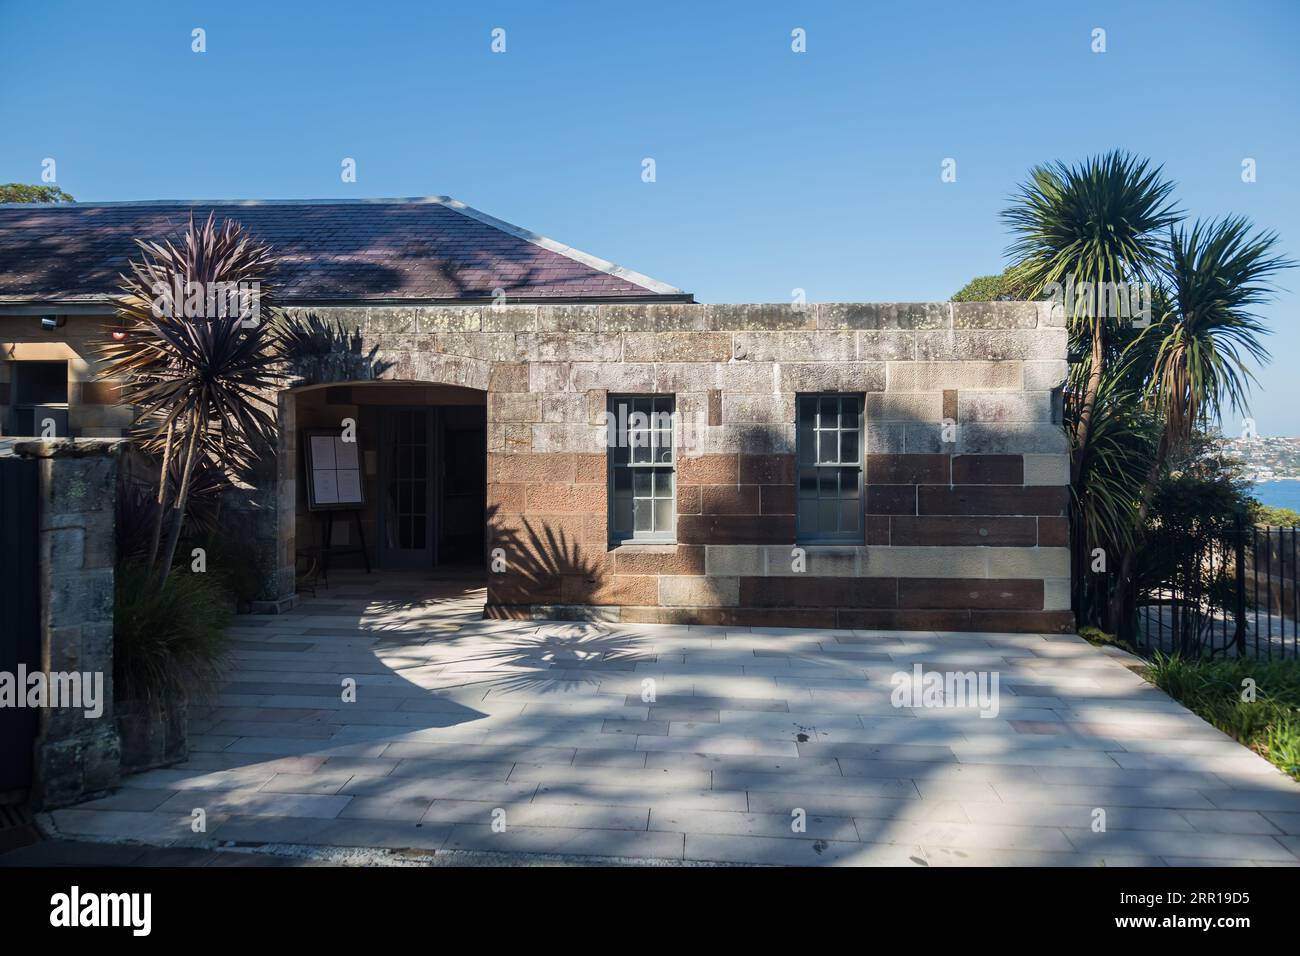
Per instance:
(235,564)
(1272,516)
(170,641)
(1269,725)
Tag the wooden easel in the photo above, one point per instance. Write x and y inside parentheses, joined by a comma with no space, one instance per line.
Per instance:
(327,534)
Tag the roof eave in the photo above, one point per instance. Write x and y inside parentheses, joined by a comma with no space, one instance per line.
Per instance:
(98,305)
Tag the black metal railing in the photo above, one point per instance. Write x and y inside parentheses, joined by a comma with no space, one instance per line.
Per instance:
(1232,594)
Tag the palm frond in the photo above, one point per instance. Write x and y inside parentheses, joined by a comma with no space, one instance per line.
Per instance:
(172,364)
(1101,221)
(1201,349)
(1114,463)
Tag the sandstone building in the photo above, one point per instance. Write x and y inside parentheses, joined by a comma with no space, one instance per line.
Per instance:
(602,445)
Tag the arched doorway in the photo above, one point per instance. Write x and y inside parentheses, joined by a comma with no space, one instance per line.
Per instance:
(411,493)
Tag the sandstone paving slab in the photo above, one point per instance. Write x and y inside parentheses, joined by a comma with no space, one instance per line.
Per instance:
(652,779)
(942,856)
(777,727)
(237,828)
(856,805)
(990,773)
(1113,775)
(319,782)
(1037,758)
(1077,816)
(634,727)
(1231,821)
(1281,800)
(410,809)
(969,835)
(372,766)
(855,750)
(1215,846)
(781,825)
(130,799)
(522,735)
(708,744)
(162,826)
(569,816)
(777,851)
(595,757)
(1203,861)
(252,777)
(1241,762)
(380,833)
(460,788)
(1288,823)
(715,704)
(487,753)
(876,732)
(814,783)
(636,797)
(257,803)
(1172,798)
(784,766)
(298,746)
(720,744)
(472,768)
(565,840)
(254,728)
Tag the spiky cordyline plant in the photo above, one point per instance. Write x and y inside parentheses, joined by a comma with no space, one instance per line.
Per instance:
(1100,222)
(1196,356)
(203,385)
(1217,272)
(1120,444)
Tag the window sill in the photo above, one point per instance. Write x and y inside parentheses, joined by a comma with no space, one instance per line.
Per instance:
(641,547)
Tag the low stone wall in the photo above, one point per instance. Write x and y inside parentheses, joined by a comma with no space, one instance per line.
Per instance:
(965,461)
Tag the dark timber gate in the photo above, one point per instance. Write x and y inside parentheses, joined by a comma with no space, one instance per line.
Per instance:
(20,613)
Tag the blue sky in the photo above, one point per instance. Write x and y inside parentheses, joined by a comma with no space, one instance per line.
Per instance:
(774,170)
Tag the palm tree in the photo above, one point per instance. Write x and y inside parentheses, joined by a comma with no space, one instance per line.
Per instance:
(1100,222)
(203,384)
(1196,356)
(1120,443)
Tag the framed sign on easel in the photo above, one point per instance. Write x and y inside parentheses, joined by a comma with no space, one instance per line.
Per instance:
(334,484)
(333,471)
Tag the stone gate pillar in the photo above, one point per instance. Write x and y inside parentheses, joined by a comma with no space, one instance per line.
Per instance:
(76,754)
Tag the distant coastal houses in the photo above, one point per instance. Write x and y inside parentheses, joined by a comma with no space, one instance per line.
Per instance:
(1267,458)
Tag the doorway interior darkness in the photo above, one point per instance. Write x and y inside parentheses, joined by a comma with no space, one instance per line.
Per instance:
(433,486)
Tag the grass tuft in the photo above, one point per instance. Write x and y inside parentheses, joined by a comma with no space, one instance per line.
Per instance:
(1269,724)
(171,641)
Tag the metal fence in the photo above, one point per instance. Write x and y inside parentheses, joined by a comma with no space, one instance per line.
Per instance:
(1231,595)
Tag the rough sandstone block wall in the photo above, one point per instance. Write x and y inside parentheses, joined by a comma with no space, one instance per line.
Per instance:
(969,533)
(965,528)
(94,409)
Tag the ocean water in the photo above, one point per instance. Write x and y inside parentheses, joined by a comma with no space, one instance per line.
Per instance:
(1278,494)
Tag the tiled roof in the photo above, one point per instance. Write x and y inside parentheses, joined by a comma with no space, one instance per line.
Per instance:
(416,250)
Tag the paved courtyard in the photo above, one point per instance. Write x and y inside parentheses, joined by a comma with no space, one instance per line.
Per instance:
(495,741)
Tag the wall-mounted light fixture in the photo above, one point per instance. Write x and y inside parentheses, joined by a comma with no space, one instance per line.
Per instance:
(51,322)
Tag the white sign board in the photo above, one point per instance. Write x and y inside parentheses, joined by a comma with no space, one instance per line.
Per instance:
(333,472)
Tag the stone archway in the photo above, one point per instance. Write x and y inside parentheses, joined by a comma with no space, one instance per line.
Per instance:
(447,389)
